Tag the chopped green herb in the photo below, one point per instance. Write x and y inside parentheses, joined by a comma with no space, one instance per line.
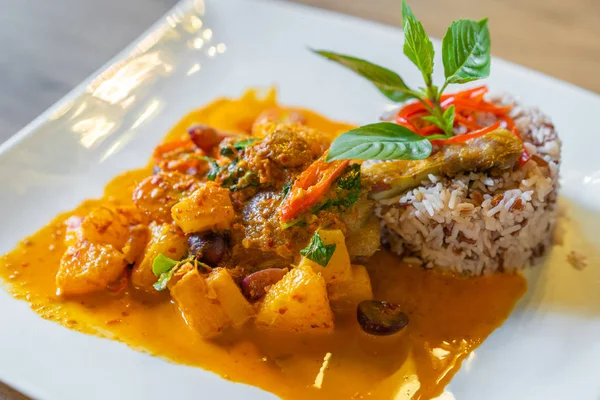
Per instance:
(346,190)
(163,280)
(296,222)
(162,264)
(215,168)
(164,267)
(250,179)
(318,251)
(226,151)
(466,57)
(242,144)
(286,190)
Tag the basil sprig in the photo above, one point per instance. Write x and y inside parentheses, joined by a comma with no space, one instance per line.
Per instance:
(466,57)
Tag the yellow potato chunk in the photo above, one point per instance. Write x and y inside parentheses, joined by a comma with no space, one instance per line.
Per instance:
(237,308)
(166,239)
(209,207)
(88,267)
(198,302)
(338,267)
(297,303)
(366,241)
(345,296)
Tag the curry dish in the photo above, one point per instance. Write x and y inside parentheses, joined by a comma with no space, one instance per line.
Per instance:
(240,250)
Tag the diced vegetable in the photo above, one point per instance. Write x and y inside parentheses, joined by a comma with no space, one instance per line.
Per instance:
(209,207)
(345,296)
(88,267)
(338,268)
(237,308)
(365,241)
(297,303)
(165,239)
(198,302)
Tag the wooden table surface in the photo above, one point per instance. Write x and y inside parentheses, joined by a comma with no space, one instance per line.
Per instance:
(48,47)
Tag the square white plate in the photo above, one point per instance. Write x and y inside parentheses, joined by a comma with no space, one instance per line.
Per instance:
(548,349)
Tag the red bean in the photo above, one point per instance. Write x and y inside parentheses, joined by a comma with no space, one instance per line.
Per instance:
(380,317)
(205,137)
(255,285)
(209,248)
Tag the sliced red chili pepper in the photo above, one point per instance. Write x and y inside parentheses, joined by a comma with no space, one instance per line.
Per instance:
(310,187)
(467,136)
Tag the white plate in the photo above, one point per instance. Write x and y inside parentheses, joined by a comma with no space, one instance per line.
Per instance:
(550,346)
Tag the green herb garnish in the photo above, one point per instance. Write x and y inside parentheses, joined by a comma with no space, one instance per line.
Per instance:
(318,251)
(242,144)
(215,168)
(297,222)
(226,151)
(345,192)
(250,179)
(164,267)
(380,141)
(286,190)
(466,57)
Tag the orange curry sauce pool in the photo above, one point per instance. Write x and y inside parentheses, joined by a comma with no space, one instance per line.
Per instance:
(449,316)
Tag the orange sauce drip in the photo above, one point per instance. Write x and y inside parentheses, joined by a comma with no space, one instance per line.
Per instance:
(449,316)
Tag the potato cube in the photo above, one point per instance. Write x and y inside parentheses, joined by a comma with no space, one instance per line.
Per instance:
(345,296)
(338,268)
(366,241)
(297,303)
(88,267)
(166,239)
(199,304)
(209,207)
(237,308)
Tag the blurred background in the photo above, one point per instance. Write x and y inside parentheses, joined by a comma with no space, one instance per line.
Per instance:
(49,46)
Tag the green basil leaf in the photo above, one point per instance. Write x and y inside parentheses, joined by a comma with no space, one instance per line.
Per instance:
(318,251)
(286,190)
(447,124)
(449,118)
(417,45)
(466,51)
(380,141)
(163,280)
(242,144)
(388,82)
(162,264)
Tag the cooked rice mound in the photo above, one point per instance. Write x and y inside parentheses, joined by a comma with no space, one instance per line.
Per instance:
(476,223)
